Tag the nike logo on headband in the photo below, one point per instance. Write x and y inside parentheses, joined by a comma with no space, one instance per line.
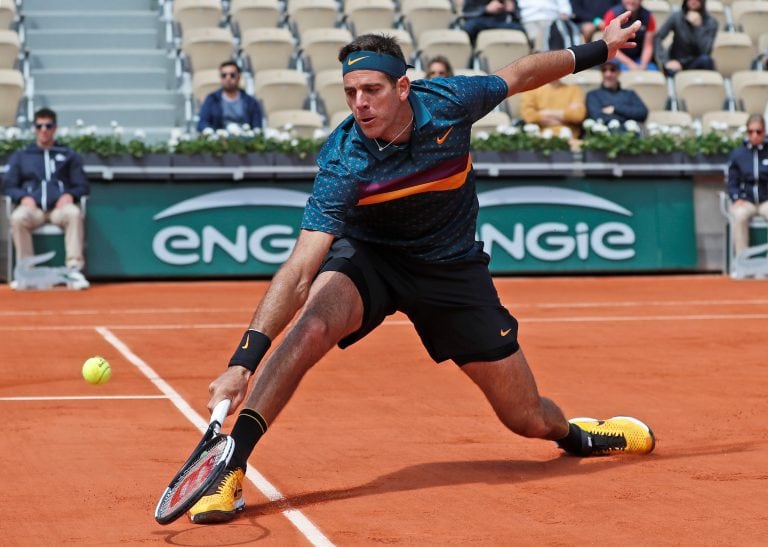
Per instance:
(353,61)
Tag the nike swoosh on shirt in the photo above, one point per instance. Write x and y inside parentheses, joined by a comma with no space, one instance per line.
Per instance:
(441,140)
(504,332)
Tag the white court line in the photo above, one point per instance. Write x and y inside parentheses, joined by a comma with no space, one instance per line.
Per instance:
(511,304)
(83,398)
(296,517)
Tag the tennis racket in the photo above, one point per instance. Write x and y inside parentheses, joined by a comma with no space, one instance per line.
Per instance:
(201,469)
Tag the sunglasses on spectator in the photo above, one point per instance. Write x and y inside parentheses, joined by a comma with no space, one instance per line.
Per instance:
(755,131)
(47,125)
(232,75)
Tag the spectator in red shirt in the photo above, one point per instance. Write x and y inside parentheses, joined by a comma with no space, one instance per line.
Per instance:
(641,57)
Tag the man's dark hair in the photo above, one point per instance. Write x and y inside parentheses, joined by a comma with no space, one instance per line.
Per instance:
(46,114)
(379,43)
(230,63)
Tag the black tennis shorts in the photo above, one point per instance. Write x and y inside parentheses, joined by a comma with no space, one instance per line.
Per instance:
(454,307)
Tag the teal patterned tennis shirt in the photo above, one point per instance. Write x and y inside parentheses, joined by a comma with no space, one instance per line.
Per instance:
(419,197)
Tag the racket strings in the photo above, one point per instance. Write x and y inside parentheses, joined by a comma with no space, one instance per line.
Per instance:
(197,473)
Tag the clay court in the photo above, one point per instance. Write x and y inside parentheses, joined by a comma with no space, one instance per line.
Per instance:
(380,445)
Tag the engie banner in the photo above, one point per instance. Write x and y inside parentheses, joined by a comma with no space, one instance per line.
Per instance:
(141,229)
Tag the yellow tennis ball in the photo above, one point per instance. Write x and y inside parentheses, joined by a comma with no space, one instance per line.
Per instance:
(97,370)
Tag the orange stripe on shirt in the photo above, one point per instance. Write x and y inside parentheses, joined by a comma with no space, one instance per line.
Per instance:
(440,185)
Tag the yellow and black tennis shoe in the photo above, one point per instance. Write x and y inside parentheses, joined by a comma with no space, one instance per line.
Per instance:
(620,434)
(222,501)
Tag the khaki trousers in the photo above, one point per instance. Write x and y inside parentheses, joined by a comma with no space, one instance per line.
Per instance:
(69,217)
(742,212)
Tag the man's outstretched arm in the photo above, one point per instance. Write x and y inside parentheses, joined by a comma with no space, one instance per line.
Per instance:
(286,294)
(538,69)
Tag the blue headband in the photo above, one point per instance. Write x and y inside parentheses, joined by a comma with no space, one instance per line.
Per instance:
(370,60)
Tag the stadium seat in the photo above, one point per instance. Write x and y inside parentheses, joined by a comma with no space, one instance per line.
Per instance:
(301,123)
(320,47)
(9,48)
(669,118)
(661,10)
(421,15)
(338,117)
(650,85)
(402,36)
(750,89)
(757,222)
(309,14)
(207,47)
(281,89)
(762,42)
(491,122)
(717,10)
(362,16)
(734,120)
(496,48)
(11,91)
(329,88)
(270,47)
(587,80)
(205,82)
(7,13)
(47,229)
(191,14)
(732,51)
(700,91)
(750,16)
(250,14)
(453,44)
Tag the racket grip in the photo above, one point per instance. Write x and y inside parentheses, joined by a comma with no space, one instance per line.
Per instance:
(220,411)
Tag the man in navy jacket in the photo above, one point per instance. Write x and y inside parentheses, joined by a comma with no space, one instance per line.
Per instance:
(748,181)
(229,104)
(611,102)
(46,182)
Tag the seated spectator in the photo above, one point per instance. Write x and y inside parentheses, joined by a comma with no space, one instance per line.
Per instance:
(439,67)
(610,102)
(489,14)
(748,181)
(555,106)
(538,15)
(229,104)
(640,57)
(588,14)
(45,180)
(694,33)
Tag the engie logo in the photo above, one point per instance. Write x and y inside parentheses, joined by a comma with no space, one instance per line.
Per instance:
(525,223)
(183,245)
(554,240)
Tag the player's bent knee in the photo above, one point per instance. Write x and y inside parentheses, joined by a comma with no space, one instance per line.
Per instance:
(313,328)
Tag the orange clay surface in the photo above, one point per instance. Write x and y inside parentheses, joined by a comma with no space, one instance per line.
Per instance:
(380,445)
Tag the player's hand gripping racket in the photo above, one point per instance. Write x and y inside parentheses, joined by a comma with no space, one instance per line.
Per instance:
(201,469)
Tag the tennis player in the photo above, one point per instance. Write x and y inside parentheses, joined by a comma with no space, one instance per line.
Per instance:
(390,225)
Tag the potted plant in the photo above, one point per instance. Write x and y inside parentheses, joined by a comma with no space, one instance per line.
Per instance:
(518,146)
(114,151)
(714,144)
